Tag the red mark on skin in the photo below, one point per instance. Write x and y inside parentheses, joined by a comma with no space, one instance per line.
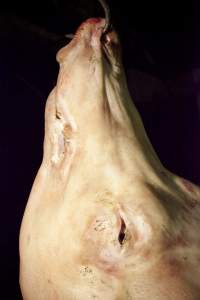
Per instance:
(191,203)
(188,185)
(178,241)
(109,268)
(93,20)
(169,266)
(174,267)
(146,253)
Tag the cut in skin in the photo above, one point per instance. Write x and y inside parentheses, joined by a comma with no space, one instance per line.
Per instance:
(105,219)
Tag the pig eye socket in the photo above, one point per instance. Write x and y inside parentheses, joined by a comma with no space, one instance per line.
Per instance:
(122,233)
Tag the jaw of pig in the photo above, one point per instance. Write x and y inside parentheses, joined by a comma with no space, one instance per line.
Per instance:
(104,219)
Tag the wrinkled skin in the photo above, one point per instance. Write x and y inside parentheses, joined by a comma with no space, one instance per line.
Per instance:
(105,219)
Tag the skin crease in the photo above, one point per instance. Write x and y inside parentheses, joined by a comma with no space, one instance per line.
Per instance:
(105,219)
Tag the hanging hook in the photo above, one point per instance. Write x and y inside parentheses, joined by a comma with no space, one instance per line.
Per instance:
(105,6)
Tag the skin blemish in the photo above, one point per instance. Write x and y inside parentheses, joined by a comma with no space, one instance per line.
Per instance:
(122,234)
(188,185)
(67,131)
(91,21)
(178,241)
(94,20)
(85,271)
(146,253)
(170,266)
(191,203)
(108,267)
(174,267)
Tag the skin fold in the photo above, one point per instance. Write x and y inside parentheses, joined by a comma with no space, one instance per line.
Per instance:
(105,219)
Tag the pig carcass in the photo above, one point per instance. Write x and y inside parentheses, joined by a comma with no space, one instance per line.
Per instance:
(105,219)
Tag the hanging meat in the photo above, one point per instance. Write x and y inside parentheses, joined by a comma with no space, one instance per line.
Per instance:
(105,219)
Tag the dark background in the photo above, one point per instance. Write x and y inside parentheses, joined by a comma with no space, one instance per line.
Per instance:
(161,54)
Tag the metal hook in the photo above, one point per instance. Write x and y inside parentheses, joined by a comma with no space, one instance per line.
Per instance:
(107,16)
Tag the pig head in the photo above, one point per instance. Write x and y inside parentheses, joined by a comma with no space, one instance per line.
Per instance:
(105,219)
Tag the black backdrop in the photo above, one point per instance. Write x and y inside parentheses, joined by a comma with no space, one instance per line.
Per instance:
(161,52)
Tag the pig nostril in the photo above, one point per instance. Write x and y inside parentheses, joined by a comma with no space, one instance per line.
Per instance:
(121,236)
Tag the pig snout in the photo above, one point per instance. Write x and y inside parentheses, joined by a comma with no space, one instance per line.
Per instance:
(90,31)
(89,38)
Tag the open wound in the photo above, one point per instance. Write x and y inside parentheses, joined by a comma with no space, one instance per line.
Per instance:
(122,232)
(61,138)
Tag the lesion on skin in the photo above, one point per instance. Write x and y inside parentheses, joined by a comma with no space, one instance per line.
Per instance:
(59,144)
(108,242)
(173,256)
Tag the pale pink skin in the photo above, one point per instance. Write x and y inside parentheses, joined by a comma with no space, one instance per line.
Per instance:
(105,219)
